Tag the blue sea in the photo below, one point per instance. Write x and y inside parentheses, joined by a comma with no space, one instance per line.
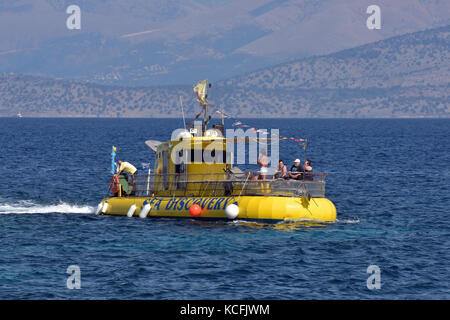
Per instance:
(389,180)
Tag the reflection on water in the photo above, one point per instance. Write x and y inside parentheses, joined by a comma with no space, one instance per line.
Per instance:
(287,225)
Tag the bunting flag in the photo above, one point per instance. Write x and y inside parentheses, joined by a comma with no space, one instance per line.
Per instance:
(239,124)
(145,165)
(200,90)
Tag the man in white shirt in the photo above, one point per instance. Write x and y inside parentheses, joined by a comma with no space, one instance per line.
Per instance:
(129,169)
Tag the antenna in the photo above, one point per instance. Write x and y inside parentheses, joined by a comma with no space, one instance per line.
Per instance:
(182,111)
(304,149)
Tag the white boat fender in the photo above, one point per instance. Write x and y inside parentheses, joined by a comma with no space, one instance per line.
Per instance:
(232,211)
(105,207)
(131,211)
(144,212)
(99,208)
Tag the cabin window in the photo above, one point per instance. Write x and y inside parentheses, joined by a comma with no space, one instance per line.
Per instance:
(180,176)
(199,156)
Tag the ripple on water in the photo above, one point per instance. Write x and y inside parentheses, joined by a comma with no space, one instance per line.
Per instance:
(389,214)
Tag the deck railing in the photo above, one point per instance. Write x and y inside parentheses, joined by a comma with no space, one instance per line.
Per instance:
(222,184)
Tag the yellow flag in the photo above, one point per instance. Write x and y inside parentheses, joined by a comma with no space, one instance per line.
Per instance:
(200,90)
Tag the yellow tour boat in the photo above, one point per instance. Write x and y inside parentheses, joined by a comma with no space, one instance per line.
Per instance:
(194,177)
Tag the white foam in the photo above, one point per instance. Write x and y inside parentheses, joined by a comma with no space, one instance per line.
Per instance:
(27,206)
(355,220)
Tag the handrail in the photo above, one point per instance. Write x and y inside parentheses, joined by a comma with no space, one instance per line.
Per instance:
(222,173)
(199,184)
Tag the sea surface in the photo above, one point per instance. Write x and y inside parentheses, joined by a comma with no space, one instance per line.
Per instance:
(389,180)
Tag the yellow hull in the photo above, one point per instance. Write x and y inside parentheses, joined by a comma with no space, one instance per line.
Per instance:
(268,208)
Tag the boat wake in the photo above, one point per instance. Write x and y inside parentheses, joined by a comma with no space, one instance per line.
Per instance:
(29,207)
(354,220)
(297,222)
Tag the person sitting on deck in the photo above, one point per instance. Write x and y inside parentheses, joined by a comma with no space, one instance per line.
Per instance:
(308,170)
(281,172)
(296,171)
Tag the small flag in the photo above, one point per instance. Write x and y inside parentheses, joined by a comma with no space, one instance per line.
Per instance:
(145,165)
(200,90)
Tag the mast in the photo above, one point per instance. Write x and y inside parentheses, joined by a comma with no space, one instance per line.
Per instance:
(205,118)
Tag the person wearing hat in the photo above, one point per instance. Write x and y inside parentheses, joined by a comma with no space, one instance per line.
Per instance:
(296,171)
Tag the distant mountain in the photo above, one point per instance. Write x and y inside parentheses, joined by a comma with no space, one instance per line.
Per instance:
(401,76)
(160,42)
(404,76)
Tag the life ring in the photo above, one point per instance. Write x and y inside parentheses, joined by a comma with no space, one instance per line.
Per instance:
(115,184)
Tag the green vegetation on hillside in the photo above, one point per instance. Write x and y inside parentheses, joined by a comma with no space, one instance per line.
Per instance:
(406,76)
